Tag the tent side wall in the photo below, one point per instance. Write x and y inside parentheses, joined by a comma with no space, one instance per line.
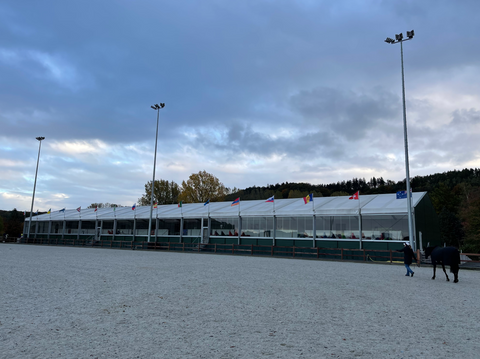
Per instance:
(427,222)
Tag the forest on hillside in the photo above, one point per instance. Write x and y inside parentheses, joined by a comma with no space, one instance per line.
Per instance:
(455,196)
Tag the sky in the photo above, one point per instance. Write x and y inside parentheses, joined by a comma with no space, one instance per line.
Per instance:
(256,92)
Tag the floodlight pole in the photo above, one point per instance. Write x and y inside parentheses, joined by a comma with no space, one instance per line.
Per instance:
(39,139)
(157,108)
(399,39)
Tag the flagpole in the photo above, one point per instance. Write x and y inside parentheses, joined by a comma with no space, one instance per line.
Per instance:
(359,221)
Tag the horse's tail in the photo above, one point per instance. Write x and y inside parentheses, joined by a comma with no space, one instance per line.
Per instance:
(455,264)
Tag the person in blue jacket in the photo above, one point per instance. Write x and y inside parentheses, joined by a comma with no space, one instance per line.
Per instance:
(407,257)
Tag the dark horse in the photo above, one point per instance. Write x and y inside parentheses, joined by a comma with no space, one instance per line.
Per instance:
(444,256)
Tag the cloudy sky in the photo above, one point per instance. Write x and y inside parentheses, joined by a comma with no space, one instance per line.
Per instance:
(257,92)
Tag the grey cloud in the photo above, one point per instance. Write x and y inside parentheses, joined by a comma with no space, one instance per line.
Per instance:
(349,114)
(233,75)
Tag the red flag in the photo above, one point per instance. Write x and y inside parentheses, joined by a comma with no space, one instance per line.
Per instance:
(79,208)
(95,209)
(355,196)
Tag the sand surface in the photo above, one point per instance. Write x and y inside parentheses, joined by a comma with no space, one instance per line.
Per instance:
(58,302)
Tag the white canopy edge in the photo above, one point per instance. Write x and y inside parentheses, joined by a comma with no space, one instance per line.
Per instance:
(377,204)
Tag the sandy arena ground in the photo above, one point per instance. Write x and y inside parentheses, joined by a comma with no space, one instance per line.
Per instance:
(58,302)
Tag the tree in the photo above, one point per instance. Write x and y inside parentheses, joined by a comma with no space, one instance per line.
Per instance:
(296,194)
(165,192)
(1,226)
(202,186)
(451,229)
(340,193)
(13,225)
(443,197)
(104,205)
(471,220)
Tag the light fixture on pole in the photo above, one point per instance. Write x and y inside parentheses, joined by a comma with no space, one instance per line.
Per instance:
(399,39)
(40,139)
(157,108)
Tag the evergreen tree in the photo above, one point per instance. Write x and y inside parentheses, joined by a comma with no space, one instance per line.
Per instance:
(451,229)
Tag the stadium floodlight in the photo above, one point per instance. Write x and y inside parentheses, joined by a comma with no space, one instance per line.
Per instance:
(157,108)
(39,139)
(389,40)
(400,39)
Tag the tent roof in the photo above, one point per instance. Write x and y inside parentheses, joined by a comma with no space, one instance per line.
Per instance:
(377,204)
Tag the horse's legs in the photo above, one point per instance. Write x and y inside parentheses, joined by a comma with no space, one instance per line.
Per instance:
(444,271)
(456,277)
(434,269)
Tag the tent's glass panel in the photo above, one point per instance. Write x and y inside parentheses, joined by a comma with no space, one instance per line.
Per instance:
(257,226)
(337,227)
(88,227)
(123,226)
(71,227)
(192,227)
(33,226)
(345,226)
(107,227)
(224,226)
(294,227)
(57,227)
(323,226)
(43,226)
(168,227)
(142,226)
(385,227)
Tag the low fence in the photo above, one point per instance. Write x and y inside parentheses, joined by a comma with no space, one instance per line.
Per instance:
(373,255)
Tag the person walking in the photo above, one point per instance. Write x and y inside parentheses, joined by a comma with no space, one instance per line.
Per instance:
(407,257)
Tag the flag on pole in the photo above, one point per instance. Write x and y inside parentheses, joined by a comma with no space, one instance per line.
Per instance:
(49,211)
(36,212)
(62,210)
(133,207)
(208,201)
(79,209)
(355,196)
(24,213)
(309,198)
(237,201)
(180,204)
(271,199)
(155,205)
(96,209)
(403,194)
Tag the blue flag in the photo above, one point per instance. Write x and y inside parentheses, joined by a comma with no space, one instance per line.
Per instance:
(208,201)
(402,194)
